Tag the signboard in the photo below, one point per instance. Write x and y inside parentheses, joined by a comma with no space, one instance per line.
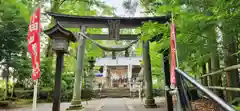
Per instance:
(34,43)
(173,55)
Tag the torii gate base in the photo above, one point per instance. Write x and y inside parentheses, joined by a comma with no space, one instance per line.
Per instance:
(150,103)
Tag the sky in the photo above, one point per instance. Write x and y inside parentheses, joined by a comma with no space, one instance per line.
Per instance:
(120,10)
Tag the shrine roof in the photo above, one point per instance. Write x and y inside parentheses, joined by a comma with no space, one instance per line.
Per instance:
(73,21)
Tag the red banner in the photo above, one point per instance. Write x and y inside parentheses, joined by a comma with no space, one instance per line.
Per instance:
(34,43)
(173,54)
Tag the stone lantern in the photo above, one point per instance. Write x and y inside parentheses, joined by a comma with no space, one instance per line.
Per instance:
(60,38)
(60,42)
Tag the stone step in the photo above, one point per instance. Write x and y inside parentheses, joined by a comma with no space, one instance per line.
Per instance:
(113,96)
(114,92)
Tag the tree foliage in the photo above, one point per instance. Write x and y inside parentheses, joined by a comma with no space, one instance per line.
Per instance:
(14,20)
(206,30)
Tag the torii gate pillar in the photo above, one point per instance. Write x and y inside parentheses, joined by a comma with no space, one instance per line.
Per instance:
(76,101)
(149,102)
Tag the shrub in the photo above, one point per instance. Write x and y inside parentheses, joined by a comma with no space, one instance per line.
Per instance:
(158,92)
(45,94)
(66,95)
(88,94)
(23,94)
(4,103)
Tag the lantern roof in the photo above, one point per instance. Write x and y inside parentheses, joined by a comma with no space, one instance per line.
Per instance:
(57,31)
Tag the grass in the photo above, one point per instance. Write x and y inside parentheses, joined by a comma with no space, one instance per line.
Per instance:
(19,103)
(8,104)
(237,108)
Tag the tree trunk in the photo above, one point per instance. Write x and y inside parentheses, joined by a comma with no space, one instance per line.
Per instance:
(209,71)
(204,71)
(13,84)
(6,76)
(8,73)
(55,5)
(7,91)
(55,8)
(230,59)
(237,49)
(215,65)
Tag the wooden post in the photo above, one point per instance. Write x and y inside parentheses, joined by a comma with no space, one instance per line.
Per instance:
(166,69)
(58,79)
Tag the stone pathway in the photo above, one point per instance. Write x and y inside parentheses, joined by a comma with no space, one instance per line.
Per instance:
(114,104)
(91,106)
(127,104)
(107,104)
(138,105)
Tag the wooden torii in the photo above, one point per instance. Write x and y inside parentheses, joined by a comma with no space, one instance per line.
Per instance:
(114,24)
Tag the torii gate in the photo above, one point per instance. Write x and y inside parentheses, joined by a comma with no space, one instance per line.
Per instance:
(114,24)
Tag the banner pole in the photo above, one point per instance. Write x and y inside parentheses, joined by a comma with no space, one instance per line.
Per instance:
(175,42)
(34,107)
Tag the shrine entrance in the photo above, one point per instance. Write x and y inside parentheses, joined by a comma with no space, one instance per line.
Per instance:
(144,78)
(114,25)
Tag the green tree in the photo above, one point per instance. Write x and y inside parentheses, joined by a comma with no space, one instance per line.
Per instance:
(13,29)
(205,30)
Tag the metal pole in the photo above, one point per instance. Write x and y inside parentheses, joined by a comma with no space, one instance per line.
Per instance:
(166,69)
(182,94)
(58,78)
(205,90)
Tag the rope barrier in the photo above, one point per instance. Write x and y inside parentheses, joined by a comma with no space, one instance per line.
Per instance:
(113,48)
